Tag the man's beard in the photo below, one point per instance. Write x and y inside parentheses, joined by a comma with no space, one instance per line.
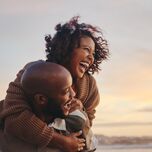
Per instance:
(54,109)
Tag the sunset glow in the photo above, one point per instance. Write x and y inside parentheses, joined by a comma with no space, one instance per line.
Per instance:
(125,81)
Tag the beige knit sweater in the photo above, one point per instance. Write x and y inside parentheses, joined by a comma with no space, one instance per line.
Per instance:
(21,122)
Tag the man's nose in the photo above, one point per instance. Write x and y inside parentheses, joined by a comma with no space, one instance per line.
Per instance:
(72,93)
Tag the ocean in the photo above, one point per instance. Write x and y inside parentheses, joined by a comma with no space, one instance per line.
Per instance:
(125,148)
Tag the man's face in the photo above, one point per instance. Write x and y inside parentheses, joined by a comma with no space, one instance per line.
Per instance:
(61,97)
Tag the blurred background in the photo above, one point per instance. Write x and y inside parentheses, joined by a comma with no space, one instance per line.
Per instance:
(125,82)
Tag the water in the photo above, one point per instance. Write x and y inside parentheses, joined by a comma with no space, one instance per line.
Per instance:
(125,148)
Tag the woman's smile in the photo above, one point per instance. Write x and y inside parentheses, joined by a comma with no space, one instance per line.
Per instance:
(82,57)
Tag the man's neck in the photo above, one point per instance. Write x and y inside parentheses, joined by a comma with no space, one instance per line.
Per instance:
(45,118)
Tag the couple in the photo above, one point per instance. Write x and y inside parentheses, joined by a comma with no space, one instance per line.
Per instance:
(80,48)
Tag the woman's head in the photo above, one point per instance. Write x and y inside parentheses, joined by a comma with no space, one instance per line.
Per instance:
(70,39)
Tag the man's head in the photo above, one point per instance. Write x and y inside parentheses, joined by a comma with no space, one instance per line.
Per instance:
(49,85)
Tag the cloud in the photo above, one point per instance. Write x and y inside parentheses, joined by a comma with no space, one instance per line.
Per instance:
(127,76)
(146,109)
(21,7)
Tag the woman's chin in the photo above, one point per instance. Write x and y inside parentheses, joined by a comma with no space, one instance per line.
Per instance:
(80,74)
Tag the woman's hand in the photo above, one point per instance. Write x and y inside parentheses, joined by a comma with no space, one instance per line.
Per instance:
(70,143)
(76,104)
(73,143)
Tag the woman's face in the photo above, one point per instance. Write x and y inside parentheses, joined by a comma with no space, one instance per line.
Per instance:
(82,57)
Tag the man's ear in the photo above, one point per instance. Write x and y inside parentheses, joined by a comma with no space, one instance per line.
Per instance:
(40,99)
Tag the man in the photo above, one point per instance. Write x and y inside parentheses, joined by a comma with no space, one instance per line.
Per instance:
(49,95)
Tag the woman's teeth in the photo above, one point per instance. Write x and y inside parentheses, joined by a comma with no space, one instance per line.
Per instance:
(85,65)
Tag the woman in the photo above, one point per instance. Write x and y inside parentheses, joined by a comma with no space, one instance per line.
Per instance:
(78,47)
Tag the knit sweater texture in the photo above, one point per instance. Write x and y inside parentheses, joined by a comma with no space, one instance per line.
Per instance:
(22,123)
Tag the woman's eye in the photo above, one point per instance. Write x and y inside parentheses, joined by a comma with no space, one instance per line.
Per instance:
(87,49)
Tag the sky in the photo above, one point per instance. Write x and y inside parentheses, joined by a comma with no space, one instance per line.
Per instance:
(125,81)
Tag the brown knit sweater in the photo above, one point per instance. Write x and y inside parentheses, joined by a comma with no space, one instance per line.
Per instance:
(21,122)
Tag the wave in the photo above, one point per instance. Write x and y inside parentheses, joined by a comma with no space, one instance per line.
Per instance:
(123,140)
(117,146)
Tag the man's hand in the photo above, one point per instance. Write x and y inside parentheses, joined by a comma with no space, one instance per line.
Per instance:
(76,104)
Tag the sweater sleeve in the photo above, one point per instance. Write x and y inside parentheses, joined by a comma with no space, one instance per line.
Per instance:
(92,100)
(19,119)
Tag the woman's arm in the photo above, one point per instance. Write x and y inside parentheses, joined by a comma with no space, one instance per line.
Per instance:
(21,122)
(92,99)
(70,143)
(19,119)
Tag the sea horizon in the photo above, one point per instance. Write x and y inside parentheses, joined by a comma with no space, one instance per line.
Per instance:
(125,148)
(119,141)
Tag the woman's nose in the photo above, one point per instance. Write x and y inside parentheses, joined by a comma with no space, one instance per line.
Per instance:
(91,58)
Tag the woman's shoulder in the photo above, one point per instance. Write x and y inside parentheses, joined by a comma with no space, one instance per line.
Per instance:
(87,81)
(89,78)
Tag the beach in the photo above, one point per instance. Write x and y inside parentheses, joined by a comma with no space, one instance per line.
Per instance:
(125,148)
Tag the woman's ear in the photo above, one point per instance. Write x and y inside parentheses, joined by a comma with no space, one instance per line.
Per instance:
(40,99)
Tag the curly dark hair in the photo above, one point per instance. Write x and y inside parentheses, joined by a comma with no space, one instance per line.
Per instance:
(68,36)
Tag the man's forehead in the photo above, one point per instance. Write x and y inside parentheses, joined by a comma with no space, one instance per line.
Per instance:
(60,83)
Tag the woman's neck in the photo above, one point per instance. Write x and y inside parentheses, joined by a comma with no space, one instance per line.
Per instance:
(74,86)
